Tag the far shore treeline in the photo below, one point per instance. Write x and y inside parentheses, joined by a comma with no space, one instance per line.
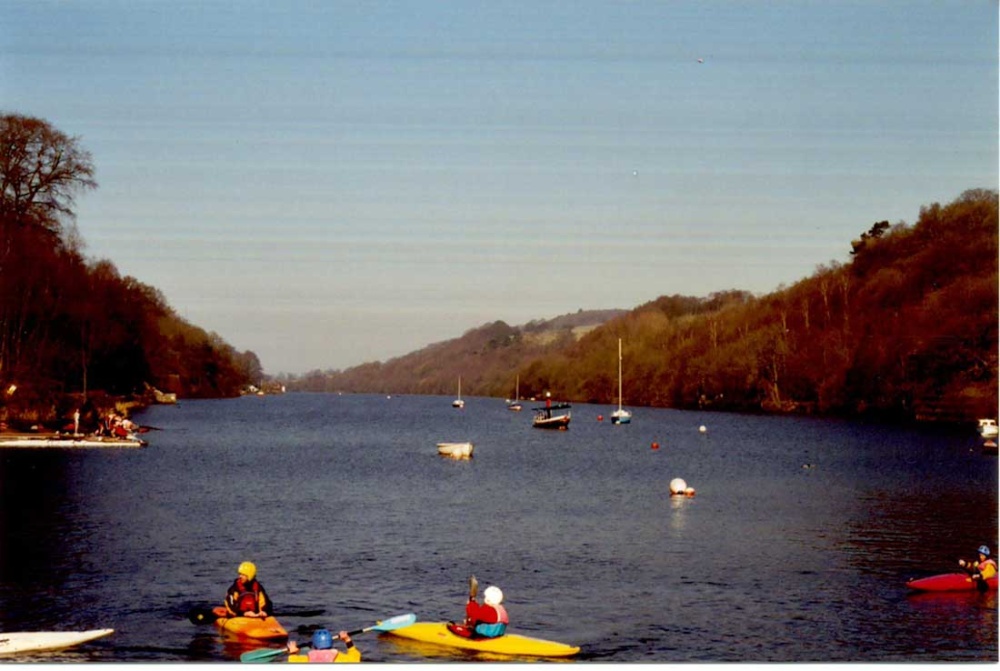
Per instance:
(907,329)
(73,331)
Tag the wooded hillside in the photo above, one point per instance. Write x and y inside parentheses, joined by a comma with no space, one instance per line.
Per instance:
(73,328)
(907,329)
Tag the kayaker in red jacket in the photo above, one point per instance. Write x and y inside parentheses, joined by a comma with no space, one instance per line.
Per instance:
(246,597)
(482,620)
(981,570)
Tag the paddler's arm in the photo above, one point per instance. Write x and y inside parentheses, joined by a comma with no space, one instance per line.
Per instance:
(352,654)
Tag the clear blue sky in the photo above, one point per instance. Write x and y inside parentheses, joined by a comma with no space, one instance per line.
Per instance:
(330,183)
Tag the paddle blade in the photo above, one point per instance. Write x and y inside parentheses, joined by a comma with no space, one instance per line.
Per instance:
(262,654)
(397,622)
(202,616)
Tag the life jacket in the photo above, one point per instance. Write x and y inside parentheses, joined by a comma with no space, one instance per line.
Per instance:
(248,598)
(987,569)
(327,656)
(246,601)
(494,629)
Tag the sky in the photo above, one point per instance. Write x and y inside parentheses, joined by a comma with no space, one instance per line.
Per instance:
(332,183)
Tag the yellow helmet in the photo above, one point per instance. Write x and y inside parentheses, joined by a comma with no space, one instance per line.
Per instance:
(247,569)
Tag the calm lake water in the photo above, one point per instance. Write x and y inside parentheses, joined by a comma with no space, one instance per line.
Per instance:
(795,549)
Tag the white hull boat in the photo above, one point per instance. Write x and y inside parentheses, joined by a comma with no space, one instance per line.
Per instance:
(456,450)
(37,641)
(620,416)
(69,441)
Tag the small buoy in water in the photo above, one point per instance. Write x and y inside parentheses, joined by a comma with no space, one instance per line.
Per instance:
(689,492)
(703,429)
(677,486)
(600,418)
(655,446)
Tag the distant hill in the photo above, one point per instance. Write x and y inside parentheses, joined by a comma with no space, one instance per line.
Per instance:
(906,330)
(485,357)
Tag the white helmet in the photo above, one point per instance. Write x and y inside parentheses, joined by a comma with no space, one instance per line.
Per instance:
(492,596)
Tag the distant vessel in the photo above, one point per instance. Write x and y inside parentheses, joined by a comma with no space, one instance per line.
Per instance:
(620,416)
(515,405)
(988,428)
(456,450)
(458,402)
(549,417)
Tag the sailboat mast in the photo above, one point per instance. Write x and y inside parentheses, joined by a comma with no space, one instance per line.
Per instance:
(619,374)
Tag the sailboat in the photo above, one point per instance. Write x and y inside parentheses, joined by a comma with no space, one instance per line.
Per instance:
(620,416)
(515,405)
(458,402)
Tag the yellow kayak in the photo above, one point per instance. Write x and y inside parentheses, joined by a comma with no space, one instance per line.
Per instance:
(508,644)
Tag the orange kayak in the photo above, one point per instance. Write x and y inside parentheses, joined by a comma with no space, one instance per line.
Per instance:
(267,629)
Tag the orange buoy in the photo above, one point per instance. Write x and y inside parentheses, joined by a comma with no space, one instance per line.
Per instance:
(600,418)
(655,446)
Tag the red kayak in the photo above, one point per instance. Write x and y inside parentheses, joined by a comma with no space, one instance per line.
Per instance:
(949,582)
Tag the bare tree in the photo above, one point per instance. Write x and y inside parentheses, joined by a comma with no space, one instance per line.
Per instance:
(41,170)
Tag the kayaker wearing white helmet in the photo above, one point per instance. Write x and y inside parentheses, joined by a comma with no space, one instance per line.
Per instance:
(982,570)
(246,597)
(486,620)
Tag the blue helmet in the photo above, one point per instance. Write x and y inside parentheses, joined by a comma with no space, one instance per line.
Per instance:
(322,639)
(984,550)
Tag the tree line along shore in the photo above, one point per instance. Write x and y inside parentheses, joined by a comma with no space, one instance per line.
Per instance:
(905,329)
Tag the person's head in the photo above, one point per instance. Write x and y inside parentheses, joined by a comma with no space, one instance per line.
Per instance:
(247,571)
(984,550)
(492,596)
(322,639)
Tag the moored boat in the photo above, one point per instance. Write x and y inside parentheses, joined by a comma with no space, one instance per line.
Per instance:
(508,644)
(620,416)
(515,403)
(458,402)
(552,416)
(19,642)
(456,450)
(988,428)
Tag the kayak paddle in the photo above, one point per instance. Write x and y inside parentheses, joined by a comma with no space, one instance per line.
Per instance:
(210,615)
(397,622)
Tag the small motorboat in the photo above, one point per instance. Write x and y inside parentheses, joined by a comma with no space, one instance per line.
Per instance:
(456,450)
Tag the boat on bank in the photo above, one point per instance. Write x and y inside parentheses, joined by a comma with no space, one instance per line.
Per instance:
(552,416)
(68,440)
